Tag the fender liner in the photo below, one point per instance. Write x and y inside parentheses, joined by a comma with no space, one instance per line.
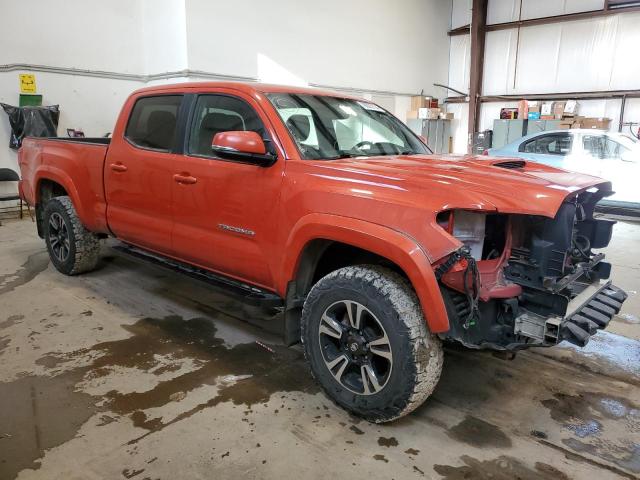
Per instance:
(395,246)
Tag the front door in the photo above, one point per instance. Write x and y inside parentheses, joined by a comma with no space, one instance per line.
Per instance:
(225,212)
(138,174)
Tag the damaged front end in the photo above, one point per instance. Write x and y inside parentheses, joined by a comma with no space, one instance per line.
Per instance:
(525,280)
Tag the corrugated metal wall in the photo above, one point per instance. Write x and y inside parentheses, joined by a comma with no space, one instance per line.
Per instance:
(594,54)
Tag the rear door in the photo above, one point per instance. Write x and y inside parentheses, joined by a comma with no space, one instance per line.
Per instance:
(226,214)
(139,171)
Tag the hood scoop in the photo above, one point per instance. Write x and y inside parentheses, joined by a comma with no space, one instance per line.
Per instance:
(511,164)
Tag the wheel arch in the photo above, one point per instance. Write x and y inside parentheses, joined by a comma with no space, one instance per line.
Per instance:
(315,240)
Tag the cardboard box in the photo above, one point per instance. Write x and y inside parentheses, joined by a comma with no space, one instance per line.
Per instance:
(446,115)
(508,113)
(565,125)
(558,110)
(571,108)
(534,106)
(523,109)
(412,114)
(429,113)
(420,101)
(596,123)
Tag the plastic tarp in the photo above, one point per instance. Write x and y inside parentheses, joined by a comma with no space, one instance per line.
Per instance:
(31,122)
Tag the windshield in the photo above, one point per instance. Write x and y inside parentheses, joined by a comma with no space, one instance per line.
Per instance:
(329,127)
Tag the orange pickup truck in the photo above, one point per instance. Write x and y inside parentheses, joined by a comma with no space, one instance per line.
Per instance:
(329,215)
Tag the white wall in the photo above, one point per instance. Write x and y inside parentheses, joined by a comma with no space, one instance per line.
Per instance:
(372,46)
(109,38)
(164,31)
(365,44)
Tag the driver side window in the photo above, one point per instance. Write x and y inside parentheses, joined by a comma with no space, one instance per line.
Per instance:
(220,113)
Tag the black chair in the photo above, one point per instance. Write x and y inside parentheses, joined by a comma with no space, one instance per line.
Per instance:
(8,175)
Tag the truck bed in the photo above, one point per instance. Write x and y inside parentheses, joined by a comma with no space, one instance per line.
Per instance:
(75,163)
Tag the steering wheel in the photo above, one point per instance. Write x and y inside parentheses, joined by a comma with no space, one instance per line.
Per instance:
(363,143)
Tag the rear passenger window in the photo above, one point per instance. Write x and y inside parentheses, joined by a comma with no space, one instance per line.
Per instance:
(153,122)
(555,144)
(220,113)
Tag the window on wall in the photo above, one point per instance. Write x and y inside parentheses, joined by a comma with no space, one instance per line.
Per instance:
(558,144)
(152,123)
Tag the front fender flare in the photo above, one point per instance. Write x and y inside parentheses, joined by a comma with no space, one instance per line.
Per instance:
(395,246)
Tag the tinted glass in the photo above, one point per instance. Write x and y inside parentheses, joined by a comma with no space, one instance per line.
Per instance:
(153,122)
(219,113)
(549,145)
(326,127)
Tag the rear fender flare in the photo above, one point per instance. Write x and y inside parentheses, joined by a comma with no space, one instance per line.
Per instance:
(49,172)
(395,246)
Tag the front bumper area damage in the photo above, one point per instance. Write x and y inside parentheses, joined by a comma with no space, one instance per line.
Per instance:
(523,281)
(588,312)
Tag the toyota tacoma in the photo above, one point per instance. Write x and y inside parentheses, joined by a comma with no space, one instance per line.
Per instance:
(329,215)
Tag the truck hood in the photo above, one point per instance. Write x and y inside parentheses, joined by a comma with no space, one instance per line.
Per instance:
(508,185)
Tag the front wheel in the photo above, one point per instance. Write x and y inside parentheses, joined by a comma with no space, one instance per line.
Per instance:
(367,343)
(72,248)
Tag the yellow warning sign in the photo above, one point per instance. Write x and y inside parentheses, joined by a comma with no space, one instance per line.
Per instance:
(27,83)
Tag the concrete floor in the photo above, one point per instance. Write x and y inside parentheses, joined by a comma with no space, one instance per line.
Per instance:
(132,372)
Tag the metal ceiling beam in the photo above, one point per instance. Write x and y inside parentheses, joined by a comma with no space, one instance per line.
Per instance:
(594,95)
(568,17)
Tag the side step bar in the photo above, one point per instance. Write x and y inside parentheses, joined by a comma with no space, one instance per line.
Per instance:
(243,292)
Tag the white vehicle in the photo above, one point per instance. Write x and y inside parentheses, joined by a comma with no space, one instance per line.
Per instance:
(609,155)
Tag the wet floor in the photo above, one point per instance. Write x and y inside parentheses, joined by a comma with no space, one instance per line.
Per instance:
(133,372)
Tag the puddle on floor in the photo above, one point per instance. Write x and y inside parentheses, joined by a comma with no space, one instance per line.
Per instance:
(256,372)
(502,468)
(584,414)
(38,413)
(611,350)
(477,432)
(36,263)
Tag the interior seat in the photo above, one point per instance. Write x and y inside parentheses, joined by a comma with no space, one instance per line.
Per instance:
(161,130)
(299,126)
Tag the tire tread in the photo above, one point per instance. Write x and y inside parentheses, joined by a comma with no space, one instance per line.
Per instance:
(425,365)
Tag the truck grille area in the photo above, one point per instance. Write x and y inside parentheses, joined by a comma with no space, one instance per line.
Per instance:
(563,288)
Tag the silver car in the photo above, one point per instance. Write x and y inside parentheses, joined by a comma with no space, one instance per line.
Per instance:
(613,156)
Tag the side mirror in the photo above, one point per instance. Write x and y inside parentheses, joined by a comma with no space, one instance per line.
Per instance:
(242,145)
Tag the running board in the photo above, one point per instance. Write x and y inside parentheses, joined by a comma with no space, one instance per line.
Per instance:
(244,292)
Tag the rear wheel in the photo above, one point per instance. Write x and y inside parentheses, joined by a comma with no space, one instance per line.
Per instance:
(72,248)
(367,344)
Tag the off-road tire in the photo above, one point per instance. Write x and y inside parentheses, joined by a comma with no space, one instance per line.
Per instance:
(84,246)
(417,354)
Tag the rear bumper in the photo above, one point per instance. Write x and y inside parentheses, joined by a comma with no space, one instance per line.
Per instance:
(588,312)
